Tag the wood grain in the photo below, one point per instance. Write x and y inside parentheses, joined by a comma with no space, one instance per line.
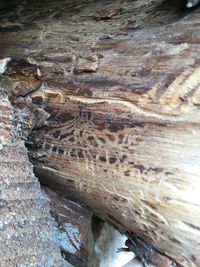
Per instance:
(110,101)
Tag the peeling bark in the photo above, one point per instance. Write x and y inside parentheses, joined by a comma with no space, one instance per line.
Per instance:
(114,100)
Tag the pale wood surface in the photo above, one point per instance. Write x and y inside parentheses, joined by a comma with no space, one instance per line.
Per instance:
(118,103)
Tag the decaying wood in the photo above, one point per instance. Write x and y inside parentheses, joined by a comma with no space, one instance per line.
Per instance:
(109,94)
(75,236)
(27,234)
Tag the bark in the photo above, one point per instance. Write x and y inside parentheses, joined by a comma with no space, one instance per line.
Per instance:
(27,231)
(108,93)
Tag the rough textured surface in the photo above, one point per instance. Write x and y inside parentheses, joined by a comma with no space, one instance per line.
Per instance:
(110,92)
(27,231)
(75,235)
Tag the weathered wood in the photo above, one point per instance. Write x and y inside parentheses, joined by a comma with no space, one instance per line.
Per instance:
(27,231)
(113,98)
(75,230)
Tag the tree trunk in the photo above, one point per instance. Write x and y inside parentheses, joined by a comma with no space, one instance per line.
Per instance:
(27,231)
(109,94)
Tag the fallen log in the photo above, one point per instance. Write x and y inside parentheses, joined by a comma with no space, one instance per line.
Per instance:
(108,95)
